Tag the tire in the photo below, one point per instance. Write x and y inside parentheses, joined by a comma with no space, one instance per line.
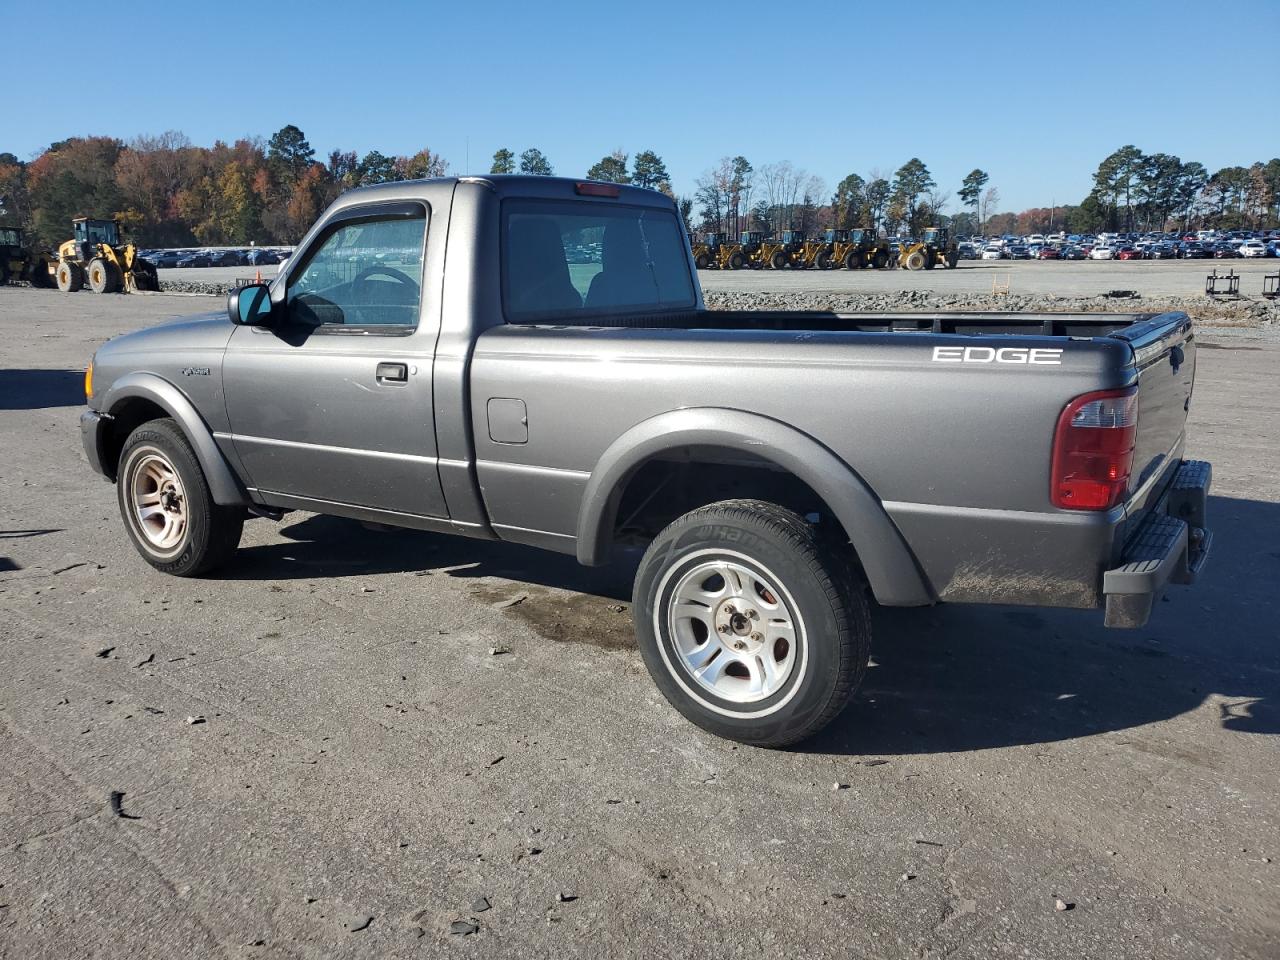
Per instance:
(822,261)
(852,261)
(70,277)
(778,260)
(195,535)
(4,273)
(774,686)
(952,259)
(737,261)
(915,260)
(881,259)
(103,275)
(701,261)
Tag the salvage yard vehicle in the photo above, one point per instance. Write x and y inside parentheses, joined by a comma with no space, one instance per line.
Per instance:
(936,248)
(17,262)
(804,253)
(703,251)
(95,255)
(762,251)
(427,359)
(855,249)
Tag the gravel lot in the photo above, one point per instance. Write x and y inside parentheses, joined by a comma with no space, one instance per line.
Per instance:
(366,770)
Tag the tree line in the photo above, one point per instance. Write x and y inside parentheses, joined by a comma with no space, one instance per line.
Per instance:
(168,192)
(1131,191)
(165,191)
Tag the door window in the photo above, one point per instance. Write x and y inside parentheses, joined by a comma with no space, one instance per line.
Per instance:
(366,273)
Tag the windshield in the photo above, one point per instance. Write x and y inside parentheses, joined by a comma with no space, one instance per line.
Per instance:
(98,231)
(571,260)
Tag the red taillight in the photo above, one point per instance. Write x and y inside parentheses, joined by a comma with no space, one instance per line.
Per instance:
(592,189)
(1093,450)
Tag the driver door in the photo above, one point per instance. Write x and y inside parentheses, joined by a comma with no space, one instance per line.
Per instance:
(333,405)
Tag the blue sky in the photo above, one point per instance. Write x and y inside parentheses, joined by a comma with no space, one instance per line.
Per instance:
(1034,93)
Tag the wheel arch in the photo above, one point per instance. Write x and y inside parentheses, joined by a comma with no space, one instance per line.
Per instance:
(135,398)
(891,569)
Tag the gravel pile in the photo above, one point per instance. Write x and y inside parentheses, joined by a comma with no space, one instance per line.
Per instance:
(1225,313)
(195,286)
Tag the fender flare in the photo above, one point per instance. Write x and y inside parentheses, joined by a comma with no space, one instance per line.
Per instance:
(892,572)
(225,488)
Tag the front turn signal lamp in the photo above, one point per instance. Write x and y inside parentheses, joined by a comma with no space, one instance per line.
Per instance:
(88,382)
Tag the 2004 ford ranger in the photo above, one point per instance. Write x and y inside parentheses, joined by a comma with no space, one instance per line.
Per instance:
(529,359)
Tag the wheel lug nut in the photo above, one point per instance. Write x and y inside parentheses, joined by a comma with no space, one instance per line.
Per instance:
(739,645)
(757,636)
(753,614)
(729,610)
(723,628)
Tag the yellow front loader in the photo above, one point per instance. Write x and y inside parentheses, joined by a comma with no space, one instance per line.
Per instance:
(96,256)
(936,249)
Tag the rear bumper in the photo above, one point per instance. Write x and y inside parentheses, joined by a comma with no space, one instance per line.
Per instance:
(1171,546)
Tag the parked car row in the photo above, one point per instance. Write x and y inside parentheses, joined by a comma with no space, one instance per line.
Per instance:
(1113,250)
(216,257)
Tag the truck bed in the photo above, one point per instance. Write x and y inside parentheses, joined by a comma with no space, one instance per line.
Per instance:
(976,514)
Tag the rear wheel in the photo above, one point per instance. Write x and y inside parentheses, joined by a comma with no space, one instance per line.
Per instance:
(701,261)
(852,261)
(916,260)
(952,259)
(881,259)
(822,261)
(737,261)
(70,277)
(778,260)
(167,507)
(749,625)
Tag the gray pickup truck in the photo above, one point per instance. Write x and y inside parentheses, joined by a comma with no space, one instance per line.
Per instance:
(529,359)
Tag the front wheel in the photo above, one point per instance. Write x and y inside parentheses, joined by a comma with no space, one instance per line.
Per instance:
(749,624)
(167,507)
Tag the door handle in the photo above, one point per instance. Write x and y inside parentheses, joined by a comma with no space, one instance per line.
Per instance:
(392,373)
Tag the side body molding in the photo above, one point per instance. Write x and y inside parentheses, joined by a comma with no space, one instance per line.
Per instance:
(891,569)
(223,485)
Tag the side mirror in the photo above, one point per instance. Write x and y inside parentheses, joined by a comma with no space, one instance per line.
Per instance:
(250,306)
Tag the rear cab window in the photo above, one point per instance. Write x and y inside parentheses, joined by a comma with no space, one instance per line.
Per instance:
(571,261)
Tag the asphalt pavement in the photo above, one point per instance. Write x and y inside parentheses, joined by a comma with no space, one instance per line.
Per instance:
(368,744)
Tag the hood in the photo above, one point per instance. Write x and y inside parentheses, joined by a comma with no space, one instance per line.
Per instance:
(204,331)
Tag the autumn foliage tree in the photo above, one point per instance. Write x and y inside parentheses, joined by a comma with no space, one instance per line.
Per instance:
(167,192)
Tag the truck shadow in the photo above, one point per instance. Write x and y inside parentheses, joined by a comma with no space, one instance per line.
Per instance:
(37,389)
(945,679)
(323,546)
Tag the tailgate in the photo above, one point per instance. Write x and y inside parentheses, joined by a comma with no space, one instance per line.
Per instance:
(1165,353)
